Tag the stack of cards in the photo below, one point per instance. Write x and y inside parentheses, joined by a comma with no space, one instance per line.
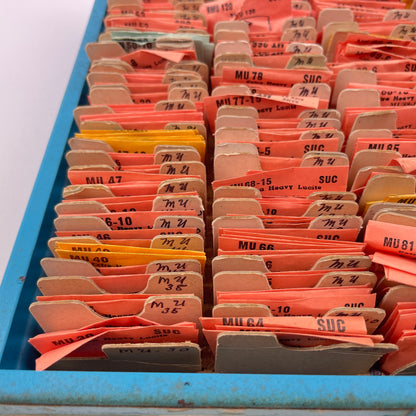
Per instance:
(124,288)
(273,141)
(309,140)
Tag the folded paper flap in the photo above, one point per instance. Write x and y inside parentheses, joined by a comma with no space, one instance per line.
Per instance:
(179,353)
(373,316)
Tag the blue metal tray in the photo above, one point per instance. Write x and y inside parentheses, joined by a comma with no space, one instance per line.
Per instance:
(25,391)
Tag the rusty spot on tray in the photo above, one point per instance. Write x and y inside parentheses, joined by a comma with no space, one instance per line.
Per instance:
(22,279)
(182,403)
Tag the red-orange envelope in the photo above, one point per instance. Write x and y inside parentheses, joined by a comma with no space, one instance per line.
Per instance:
(406,354)
(91,341)
(304,260)
(297,181)
(135,219)
(295,302)
(259,14)
(349,234)
(392,238)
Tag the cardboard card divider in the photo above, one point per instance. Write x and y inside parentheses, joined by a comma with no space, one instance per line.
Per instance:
(73,314)
(248,206)
(188,283)
(235,281)
(183,357)
(261,353)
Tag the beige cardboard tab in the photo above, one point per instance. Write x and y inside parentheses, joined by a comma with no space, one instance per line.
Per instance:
(80,207)
(237,281)
(74,314)
(174,221)
(240,310)
(371,157)
(332,27)
(241,206)
(188,126)
(175,154)
(89,157)
(333,196)
(235,122)
(80,223)
(378,187)
(86,191)
(345,76)
(322,91)
(236,192)
(261,353)
(89,109)
(350,97)
(234,222)
(242,262)
(192,167)
(179,185)
(236,134)
(194,94)
(191,242)
(174,266)
(183,357)
(307,34)
(349,278)
(298,61)
(373,316)
(230,90)
(232,165)
(173,105)
(331,222)
(299,22)
(342,262)
(376,120)
(320,113)
(330,15)
(179,202)
(318,208)
(98,50)
(176,283)
(63,267)
(366,133)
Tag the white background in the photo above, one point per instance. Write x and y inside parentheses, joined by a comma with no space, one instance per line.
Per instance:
(39,43)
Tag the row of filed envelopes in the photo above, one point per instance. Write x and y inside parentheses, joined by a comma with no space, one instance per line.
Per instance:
(240,193)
